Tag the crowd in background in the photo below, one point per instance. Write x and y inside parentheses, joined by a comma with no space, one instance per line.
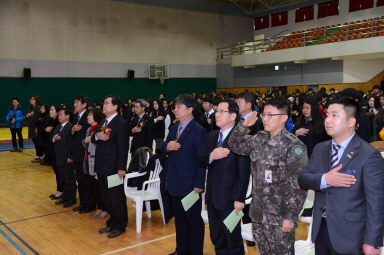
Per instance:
(69,136)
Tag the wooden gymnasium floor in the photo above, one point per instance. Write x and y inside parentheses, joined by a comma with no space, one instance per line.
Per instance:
(32,224)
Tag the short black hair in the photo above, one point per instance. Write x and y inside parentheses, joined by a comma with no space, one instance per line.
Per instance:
(281,104)
(83,99)
(351,107)
(97,114)
(15,98)
(232,106)
(377,86)
(207,99)
(67,110)
(116,100)
(248,97)
(187,100)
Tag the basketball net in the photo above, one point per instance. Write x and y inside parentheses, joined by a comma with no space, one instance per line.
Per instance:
(161,78)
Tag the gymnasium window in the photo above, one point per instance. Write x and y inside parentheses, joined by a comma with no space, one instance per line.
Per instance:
(279,19)
(328,9)
(261,23)
(357,5)
(304,14)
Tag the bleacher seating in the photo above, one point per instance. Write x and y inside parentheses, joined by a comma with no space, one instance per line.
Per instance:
(353,30)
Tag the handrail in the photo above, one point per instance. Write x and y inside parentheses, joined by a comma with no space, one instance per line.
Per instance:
(370,28)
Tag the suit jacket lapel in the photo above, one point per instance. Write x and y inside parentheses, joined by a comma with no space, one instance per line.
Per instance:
(225,142)
(186,130)
(327,155)
(350,152)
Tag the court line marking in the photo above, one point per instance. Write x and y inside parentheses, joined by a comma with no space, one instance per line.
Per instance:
(139,244)
(19,238)
(36,217)
(9,239)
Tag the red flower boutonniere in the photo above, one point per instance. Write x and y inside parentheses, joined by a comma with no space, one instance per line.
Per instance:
(142,123)
(106,130)
(40,119)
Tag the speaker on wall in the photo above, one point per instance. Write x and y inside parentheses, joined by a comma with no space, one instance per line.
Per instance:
(27,73)
(131,74)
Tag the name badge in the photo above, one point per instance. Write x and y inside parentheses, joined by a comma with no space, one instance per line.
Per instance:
(268,176)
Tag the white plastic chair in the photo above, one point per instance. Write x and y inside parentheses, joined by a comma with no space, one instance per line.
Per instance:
(246,229)
(150,191)
(204,212)
(306,247)
(135,175)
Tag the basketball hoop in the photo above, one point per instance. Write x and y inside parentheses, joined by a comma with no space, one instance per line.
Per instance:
(162,79)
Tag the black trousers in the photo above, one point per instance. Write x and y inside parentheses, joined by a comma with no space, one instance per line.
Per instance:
(38,148)
(59,182)
(189,227)
(95,196)
(323,245)
(115,202)
(19,133)
(69,184)
(225,243)
(83,186)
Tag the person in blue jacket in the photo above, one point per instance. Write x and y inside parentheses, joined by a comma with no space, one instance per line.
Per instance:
(14,117)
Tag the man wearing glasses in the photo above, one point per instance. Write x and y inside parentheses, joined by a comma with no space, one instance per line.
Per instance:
(277,157)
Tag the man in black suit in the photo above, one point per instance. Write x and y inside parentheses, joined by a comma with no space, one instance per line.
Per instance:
(62,143)
(207,120)
(141,127)
(348,177)
(245,102)
(111,158)
(227,180)
(79,129)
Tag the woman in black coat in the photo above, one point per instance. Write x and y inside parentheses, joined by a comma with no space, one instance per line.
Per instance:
(41,124)
(309,128)
(32,118)
(157,113)
(51,158)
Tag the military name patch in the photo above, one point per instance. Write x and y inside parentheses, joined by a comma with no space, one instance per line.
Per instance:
(298,150)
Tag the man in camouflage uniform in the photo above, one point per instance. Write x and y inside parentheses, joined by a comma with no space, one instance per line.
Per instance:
(277,158)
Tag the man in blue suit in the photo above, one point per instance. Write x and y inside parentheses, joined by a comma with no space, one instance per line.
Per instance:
(348,177)
(227,181)
(184,175)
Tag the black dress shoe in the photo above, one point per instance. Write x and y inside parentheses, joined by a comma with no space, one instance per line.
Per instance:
(179,253)
(116,232)
(68,204)
(78,209)
(86,210)
(51,196)
(55,197)
(105,230)
(250,243)
(61,201)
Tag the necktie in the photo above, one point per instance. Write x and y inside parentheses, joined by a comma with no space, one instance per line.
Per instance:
(61,127)
(242,118)
(105,123)
(334,161)
(334,157)
(179,131)
(220,142)
(206,115)
(78,118)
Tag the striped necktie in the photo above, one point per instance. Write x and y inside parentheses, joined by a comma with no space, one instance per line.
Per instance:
(335,157)
(334,162)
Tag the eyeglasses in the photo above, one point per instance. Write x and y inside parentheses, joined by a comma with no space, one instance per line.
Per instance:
(221,111)
(270,115)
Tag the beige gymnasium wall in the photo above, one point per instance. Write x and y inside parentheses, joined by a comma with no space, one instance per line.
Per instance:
(108,31)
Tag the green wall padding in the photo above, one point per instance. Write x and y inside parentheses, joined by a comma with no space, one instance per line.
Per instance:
(59,90)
